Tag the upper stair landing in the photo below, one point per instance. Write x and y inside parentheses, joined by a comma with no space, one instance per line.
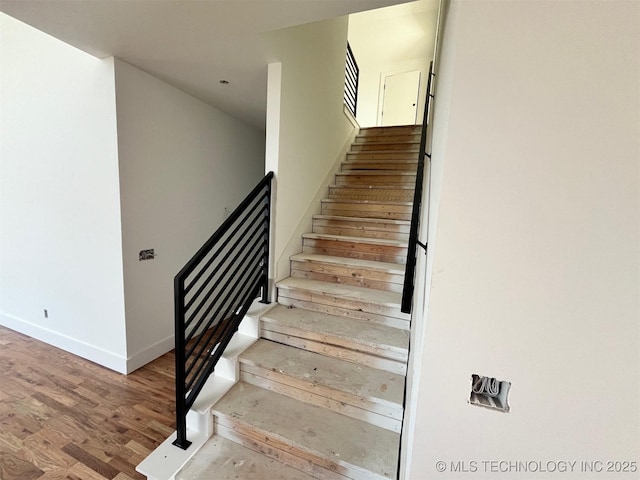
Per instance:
(389,131)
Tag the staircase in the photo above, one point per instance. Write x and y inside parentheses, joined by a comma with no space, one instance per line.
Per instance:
(321,393)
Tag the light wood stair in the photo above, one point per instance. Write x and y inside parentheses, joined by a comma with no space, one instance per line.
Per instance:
(311,438)
(392,155)
(377,249)
(362,227)
(375,177)
(389,138)
(368,209)
(396,193)
(365,392)
(380,164)
(359,341)
(397,130)
(348,271)
(231,461)
(388,146)
(321,395)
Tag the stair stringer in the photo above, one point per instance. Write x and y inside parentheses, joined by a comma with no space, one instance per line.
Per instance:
(166,461)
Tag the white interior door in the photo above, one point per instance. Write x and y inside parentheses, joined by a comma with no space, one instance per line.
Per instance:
(400,99)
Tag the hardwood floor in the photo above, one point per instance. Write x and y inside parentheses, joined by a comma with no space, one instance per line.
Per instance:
(63,417)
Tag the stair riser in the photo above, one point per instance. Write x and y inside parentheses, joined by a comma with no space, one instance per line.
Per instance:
(356,178)
(371,194)
(410,137)
(266,446)
(389,361)
(402,166)
(401,323)
(361,277)
(388,417)
(373,147)
(398,130)
(389,156)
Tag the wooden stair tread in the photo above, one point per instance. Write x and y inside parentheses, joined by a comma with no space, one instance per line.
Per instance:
(389,137)
(321,373)
(389,221)
(368,227)
(388,267)
(393,128)
(397,142)
(373,187)
(399,156)
(376,172)
(344,238)
(386,151)
(357,334)
(364,202)
(381,160)
(346,292)
(231,461)
(315,433)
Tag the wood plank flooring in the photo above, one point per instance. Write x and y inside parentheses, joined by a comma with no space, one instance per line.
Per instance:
(63,417)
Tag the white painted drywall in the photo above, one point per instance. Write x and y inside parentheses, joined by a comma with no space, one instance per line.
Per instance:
(307,129)
(182,163)
(388,41)
(536,254)
(60,245)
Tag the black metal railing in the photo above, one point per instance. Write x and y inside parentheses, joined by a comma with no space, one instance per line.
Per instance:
(213,293)
(410,269)
(351,79)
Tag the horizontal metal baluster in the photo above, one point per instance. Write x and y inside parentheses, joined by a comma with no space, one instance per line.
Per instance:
(240,223)
(203,347)
(248,236)
(225,337)
(227,315)
(246,262)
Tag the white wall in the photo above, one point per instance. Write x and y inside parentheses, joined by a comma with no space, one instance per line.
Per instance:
(182,163)
(536,257)
(307,130)
(60,244)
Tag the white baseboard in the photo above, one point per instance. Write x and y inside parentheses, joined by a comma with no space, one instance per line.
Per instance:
(150,353)
(95,354)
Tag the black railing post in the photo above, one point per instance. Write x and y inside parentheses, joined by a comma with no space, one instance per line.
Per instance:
(267,246)
(181,408)
(410,269)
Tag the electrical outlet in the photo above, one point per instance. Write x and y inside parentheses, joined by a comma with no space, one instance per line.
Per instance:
(490,393)
(146,254)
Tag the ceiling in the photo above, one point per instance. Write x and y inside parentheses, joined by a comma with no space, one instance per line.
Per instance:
(187,43)
(393,34)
